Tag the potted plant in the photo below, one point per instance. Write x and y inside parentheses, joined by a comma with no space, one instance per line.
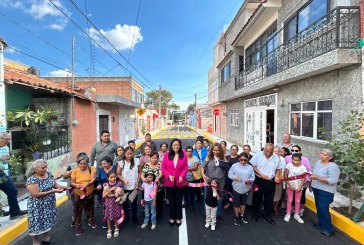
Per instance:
(16,168)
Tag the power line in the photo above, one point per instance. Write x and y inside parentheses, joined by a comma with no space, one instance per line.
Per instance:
(40,38)
(92,48)
(136,24)
(212,39)
(107,40)
(68,17)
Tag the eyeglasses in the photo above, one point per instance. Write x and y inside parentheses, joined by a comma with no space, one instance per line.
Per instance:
(295,150)
(243,160)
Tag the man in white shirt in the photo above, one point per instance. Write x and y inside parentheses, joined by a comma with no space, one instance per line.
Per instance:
(266,165)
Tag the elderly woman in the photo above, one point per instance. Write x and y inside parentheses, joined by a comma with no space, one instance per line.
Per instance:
(154,166)
(163,151)
(174,169)
(324,178)
(82,180)
(42,212)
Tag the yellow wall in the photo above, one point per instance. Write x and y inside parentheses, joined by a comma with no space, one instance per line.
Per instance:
(16,65)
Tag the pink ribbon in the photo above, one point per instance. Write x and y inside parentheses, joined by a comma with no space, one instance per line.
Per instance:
(122,218)
(70,189)
(154,192)
(197,185)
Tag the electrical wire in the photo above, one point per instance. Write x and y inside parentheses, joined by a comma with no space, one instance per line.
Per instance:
(107,40)
(99,45)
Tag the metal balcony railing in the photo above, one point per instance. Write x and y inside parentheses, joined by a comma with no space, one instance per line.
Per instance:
(338,29)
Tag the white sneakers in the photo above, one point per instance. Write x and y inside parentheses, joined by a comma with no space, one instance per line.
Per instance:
(301,212)
(287,217)
(297,217)
(212,227)
(153,226)
(143,226)
(207,225)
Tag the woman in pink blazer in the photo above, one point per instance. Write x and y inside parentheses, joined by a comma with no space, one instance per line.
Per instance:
(174,169)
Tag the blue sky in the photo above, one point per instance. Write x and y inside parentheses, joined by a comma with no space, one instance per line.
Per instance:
(170,45)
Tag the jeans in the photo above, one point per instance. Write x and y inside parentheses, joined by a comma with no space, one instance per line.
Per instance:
(149,208)
(11,192)
(322,200)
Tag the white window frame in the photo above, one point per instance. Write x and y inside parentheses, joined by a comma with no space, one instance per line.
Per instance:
(234,117)
(315,118)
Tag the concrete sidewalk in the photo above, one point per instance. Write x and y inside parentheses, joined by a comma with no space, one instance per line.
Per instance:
(10,229)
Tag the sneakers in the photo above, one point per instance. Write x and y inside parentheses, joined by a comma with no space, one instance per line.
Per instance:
(287,217)
(79,231)
(244,220)
(153,226)
(207,225)
(301,212)
(213,227)
(92,224)
(73,223)
(237,221)
(104,226)
(143,226)
(298,218)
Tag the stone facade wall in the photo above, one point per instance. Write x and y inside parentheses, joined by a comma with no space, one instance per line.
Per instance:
(342,86)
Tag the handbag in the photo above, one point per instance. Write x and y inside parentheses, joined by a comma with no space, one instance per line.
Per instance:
(197,173)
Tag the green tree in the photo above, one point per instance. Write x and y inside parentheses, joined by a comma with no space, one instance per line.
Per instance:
(154,95)
(348,146)
(191,108)
(174,106)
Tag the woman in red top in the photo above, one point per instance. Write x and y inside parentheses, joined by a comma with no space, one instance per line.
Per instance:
(174,169)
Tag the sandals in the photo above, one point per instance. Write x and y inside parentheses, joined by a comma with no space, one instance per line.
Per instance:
(108,236)
(116,232)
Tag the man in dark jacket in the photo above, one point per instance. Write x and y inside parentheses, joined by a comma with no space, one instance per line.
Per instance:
(148,141)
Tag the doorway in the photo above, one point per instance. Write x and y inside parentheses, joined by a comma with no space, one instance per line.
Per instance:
(103,123)
(270,126)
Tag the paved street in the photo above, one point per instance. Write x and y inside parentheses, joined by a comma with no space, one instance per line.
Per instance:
(193,231)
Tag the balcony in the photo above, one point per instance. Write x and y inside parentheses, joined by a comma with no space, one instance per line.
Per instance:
(325,44)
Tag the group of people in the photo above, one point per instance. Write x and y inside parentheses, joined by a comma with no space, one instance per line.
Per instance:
(180,176)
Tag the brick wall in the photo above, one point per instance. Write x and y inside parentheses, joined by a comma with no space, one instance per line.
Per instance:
(121,88)
(84,134)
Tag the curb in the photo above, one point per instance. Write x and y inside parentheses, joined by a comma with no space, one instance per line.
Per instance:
(341,222)
(21,226)
(344,224)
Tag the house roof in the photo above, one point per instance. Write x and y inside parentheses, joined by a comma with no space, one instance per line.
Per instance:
(12,75)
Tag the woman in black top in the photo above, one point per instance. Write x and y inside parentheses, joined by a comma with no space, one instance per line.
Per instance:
(232,158)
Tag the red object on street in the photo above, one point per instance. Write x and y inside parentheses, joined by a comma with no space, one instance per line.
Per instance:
(216,112)
(155,115)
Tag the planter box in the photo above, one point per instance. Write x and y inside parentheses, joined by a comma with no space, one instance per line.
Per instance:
(341,222)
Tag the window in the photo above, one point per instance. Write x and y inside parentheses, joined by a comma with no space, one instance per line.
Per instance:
(312,119)
(226,72)
(303,18)
(265,44)
(234,117)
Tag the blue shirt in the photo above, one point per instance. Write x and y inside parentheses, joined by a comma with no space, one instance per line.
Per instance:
(329,171)
(102,175)
(244,172)
(266,166)
(201,155)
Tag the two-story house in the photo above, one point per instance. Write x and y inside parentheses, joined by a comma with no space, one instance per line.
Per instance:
(287,66)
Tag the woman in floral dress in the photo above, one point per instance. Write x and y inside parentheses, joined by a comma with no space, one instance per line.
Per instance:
(42,212)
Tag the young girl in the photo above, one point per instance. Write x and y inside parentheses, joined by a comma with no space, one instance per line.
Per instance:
(150,204)
(212,196)
(294,187)
(120,151)
(112,209)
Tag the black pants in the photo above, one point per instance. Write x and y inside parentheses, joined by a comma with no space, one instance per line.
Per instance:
(266,189)
(133,207)
(159,203)
(175,195)
(198,191)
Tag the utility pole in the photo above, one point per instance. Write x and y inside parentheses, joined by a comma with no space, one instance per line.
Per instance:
(195,110)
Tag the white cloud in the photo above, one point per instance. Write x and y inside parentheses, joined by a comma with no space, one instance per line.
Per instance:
(183,104)
(11,4)
(58,26)
(121,37)
(43,8)
(9,50)
(59,73)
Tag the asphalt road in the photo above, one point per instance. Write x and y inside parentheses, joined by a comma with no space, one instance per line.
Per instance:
(226,233)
